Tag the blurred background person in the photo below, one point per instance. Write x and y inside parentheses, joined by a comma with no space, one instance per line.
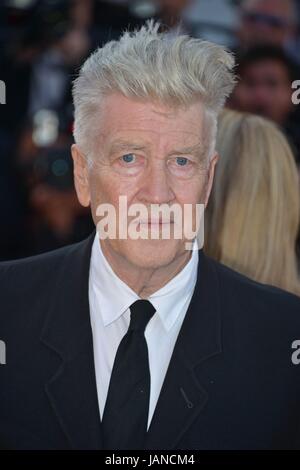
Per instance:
(252,219)
(268,22)
(54,217)
(266,74)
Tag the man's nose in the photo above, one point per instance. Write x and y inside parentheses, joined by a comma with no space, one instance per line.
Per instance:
(260,94)
(155,188)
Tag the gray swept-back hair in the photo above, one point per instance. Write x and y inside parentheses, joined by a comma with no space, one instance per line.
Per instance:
(174,69)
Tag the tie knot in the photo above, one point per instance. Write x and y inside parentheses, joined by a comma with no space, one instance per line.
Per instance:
(141,312)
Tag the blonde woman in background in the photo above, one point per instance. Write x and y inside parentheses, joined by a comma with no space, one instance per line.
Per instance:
(253,215)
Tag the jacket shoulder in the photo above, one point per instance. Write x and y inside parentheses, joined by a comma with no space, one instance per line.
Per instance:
(37,266)
(261,301)
(27,285)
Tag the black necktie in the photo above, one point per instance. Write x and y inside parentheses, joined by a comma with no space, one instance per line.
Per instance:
(126,409)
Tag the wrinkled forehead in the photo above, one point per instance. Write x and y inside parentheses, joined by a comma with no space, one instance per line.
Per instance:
(121,116)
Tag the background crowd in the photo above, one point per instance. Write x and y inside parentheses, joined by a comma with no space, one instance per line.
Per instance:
(253,216)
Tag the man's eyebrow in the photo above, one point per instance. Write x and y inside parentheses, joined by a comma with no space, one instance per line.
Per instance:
(126,144)
(198,147)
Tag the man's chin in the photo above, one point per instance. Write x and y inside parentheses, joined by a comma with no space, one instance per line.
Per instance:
(152,254)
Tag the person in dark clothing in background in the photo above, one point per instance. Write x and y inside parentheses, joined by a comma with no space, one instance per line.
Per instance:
(266,75)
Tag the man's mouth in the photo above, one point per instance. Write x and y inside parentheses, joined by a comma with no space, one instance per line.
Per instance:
(155,222)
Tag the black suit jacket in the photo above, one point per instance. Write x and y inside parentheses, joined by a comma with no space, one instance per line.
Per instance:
(231,383)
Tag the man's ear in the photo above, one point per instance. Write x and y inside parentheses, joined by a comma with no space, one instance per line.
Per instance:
(211,173)
(81,180)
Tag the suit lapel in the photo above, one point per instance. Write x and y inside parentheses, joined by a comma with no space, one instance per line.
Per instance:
(72,389)
(182,396)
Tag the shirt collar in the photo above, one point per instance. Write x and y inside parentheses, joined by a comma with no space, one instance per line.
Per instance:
(115,296)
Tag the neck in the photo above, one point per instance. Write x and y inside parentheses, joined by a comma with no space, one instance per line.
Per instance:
(144,281)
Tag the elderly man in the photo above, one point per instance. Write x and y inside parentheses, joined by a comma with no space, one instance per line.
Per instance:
(138,342)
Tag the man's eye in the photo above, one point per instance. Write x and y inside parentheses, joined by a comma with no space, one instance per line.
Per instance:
(128,158)
(182,161)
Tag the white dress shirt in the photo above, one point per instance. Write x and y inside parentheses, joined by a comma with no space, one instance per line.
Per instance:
(110,299)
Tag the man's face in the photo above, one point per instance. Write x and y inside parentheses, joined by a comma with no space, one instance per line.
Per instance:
(265,89)
(152,154)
